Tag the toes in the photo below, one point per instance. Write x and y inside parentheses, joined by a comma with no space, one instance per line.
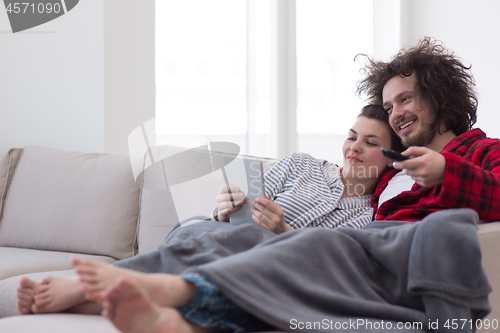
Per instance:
(76,261)
(22,310)
(41,304)
(27,283)
(37,309)
(25,295)
(46,280)
(42,289)
(86,273)
(23,306)
(24,298)
(40,299)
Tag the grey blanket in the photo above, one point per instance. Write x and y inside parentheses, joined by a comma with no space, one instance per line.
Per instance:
(342,280)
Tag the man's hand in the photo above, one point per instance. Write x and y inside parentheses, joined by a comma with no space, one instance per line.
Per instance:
(269,215)
(427,168)
(228,200)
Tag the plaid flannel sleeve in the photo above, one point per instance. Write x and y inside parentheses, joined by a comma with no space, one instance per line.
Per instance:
(473,184)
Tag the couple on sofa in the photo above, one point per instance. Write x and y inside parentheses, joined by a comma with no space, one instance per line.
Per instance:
(390,273)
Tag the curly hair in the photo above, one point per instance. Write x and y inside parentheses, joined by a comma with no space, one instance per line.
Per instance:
(442,80)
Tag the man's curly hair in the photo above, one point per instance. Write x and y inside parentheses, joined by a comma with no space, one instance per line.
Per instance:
(442,80)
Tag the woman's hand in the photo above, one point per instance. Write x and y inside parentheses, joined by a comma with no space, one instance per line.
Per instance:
(269,215)
(228,200)
(427,168)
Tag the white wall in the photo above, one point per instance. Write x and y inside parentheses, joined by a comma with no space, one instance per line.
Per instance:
(471,30)
(51,86)
(85,80)
(81,82)
(129,70)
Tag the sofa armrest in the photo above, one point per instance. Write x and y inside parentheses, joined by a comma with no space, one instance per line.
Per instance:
(489,238)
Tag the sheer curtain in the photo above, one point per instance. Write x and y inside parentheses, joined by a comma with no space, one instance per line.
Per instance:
(218,74)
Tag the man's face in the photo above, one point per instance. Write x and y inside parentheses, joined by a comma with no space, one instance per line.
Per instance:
(409,115)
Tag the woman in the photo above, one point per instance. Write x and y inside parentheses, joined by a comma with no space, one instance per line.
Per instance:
(317,194)
(301,192)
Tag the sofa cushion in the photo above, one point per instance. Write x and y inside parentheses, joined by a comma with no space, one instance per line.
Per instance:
(57,323)
(489,236)
(67,201)
(158,217)
(18,261)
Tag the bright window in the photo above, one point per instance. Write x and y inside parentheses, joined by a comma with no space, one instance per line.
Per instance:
(214,69)
(200,71)
(329,35)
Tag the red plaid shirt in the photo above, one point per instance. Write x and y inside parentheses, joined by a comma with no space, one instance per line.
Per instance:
(471,179)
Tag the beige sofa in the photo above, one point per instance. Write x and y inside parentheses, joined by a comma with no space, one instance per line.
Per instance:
(56,204)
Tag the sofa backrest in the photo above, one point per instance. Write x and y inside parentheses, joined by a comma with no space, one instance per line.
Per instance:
(74,202)
(8,163)
(90,203)
(163,205)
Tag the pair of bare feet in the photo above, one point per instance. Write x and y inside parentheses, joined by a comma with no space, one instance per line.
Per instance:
(133,301)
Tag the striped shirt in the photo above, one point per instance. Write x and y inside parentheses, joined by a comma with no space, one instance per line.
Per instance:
(309,191)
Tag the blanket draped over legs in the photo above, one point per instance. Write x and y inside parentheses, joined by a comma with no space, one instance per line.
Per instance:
(311,279)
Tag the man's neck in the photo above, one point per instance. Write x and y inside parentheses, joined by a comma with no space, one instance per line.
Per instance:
(441,140)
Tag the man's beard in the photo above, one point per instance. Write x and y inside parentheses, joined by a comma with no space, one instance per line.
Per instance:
(424,137)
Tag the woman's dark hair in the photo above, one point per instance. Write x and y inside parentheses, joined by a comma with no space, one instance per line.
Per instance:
(377,112)
(442,80)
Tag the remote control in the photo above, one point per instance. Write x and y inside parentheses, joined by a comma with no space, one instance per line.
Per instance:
(393,155)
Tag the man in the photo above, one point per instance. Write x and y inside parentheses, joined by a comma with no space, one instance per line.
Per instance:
(429,95)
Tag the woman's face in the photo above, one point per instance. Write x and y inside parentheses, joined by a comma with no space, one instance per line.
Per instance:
(362,156)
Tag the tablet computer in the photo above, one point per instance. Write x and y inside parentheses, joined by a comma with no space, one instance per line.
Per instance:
(246,173)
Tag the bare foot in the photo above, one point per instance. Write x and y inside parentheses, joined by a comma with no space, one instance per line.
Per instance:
(25,295)
(131,310)
(97,276)
(165,289)
(58,293)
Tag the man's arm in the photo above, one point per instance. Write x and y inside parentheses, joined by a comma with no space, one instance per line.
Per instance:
(474,184)
(470,181)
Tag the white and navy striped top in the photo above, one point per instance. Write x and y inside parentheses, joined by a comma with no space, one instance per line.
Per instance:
(310,193)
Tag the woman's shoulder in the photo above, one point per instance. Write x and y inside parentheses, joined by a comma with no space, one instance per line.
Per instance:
(304,162)
(305,158)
